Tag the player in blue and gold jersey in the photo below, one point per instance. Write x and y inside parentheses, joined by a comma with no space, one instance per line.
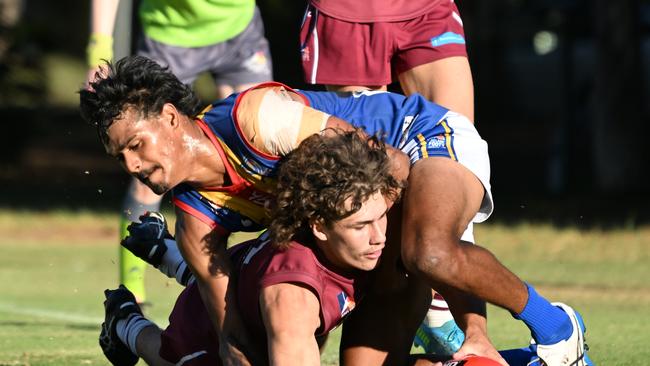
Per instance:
(221,163)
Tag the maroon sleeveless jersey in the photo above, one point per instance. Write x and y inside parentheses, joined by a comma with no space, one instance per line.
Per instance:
(258,265)
(190,336)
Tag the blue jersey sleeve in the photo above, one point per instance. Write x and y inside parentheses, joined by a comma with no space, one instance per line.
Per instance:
(390,116)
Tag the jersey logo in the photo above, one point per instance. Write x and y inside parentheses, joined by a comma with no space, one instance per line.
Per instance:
(257,63)
(447,38)
(345,303)
(437,142)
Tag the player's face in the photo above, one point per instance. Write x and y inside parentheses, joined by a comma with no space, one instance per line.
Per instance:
(144,148)
(357,241)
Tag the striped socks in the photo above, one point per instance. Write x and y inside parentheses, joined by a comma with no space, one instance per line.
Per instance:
(128,329)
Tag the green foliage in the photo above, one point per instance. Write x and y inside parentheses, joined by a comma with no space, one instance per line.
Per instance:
(54,268)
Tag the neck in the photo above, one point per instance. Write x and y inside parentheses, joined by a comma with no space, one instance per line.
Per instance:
(330,262)
(205,167)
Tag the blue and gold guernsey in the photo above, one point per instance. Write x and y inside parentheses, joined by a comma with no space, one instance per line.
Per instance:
(241,205)
(412,124)
(416,126)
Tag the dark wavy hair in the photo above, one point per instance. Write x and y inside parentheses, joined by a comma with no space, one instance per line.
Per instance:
(137,82)
(316,179)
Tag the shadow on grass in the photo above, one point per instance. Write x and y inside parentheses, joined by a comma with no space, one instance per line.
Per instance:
(77,326)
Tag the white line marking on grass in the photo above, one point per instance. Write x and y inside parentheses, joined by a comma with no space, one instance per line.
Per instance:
(49,314)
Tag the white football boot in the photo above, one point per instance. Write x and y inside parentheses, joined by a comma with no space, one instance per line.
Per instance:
(569,352)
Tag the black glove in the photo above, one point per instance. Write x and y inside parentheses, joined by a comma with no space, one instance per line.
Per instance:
(146,238)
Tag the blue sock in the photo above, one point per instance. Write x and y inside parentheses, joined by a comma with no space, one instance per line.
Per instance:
(518,356)
(548,324)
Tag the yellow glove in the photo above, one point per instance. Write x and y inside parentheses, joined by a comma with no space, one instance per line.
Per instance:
(100,47)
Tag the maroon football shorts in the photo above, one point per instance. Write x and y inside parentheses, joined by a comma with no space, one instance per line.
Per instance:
(336,52)
(190,338)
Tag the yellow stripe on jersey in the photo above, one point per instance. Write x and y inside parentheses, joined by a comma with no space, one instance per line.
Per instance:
(204,111)
(423,146)
(448,139)
(239,204)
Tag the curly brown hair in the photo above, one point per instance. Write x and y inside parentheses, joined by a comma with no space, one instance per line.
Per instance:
(316,179)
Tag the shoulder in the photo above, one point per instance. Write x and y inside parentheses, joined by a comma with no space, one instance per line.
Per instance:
(296,258)
(296,264)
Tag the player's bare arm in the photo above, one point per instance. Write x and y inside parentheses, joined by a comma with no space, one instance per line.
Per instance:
(205,252)
(291,316)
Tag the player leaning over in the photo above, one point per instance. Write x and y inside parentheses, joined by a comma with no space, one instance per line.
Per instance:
(221,163)
(295,283)
(224,38)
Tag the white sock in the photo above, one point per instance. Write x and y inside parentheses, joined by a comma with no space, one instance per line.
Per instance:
(129,329)
(173,265)
(438,313)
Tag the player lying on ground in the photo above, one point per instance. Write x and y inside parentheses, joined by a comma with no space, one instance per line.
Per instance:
(221,164)
(194,338)
(295,283)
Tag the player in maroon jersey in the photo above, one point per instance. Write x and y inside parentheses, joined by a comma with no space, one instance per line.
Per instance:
(295,283)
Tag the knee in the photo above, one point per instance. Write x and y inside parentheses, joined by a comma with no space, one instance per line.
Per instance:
(433,258)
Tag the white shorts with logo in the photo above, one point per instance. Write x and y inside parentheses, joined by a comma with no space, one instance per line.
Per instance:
(455,137)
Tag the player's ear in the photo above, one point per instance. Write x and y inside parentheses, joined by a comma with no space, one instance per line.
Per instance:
(318,229)
(169,115)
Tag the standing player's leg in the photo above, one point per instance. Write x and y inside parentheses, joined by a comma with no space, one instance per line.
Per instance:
(243,61)
(345,56)
(432,61)
(139,199)
(447,82)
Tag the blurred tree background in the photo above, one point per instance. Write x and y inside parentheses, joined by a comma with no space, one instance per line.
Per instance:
(561,90)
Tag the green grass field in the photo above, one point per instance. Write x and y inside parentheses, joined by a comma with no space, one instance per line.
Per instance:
(54,266)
